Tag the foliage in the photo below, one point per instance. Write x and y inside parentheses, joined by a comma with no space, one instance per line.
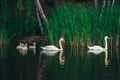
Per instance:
(76,22)
(18,19)
(79,24)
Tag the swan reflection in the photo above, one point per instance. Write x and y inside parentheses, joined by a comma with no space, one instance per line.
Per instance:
(61,58)
(23,52)
(33,50)
(95,52)
(49,52)
(107,61)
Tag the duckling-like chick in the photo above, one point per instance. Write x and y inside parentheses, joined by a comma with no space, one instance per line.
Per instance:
(33,46)
(24,47)
(19,46)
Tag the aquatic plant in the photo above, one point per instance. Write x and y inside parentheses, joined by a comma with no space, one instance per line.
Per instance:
(80,24)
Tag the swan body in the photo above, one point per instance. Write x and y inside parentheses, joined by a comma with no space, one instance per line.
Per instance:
(99,47)
(96,52)
(95,48)
(24,47)
(52,47)
(49,52)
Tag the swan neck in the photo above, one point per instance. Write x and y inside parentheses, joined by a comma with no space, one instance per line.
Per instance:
(106,46)
(61,48)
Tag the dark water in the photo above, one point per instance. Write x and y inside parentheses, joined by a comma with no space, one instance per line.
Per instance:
(71,64)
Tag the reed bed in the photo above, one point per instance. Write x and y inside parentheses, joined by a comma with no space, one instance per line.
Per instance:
(79,24)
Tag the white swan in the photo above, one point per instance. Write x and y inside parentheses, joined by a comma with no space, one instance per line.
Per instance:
(52,47)
(99,47)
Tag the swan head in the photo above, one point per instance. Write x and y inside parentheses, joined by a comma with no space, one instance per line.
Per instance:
(34,43)
(106,37)
(62,39)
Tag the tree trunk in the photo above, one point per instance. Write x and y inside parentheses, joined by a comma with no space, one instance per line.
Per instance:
(108,5)
(96,4)
(38,17)
(41,11)
(112,5)
(117,39)
(102,10)
(113,1)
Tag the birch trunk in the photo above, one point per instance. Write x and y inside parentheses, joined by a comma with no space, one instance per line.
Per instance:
(112,5)
(113,2)
(38,17)
(96,4)
(103,6)
(41,11)
(108,5)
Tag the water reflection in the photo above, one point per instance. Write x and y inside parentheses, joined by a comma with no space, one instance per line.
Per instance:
(61,58)
(76,64)
(49,52)
(41,67)
(107,61)
(23,51)
(97,52)
(33,50)
(118,58)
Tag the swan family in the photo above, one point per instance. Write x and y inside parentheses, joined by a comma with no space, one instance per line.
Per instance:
(25,46)
(95,49)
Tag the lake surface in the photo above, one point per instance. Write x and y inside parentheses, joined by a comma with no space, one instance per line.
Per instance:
(71,64)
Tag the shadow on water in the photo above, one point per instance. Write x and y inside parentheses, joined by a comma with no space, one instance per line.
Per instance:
(70,64)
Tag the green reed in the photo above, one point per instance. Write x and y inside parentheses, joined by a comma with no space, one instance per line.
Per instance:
(79,24)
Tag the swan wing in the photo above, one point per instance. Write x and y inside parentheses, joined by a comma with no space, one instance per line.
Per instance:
(95,52)
(95,48)
(50,47)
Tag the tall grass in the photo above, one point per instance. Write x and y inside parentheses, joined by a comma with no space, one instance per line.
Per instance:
(73,21)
